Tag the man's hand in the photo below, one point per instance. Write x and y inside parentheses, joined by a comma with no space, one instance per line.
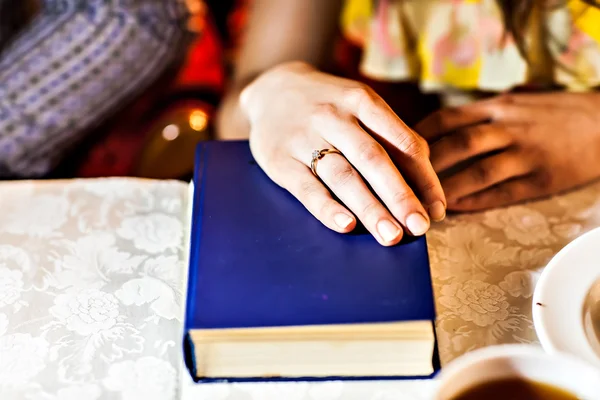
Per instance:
(514,147)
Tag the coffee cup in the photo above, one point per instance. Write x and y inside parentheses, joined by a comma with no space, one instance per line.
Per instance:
(526,363)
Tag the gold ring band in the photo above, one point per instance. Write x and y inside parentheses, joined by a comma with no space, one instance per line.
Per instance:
(317,155)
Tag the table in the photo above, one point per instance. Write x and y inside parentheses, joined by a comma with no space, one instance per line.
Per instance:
(92,288)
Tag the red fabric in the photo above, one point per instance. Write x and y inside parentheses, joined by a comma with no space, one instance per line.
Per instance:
(203,66)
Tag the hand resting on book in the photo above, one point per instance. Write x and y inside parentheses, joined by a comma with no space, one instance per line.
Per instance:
(315,111)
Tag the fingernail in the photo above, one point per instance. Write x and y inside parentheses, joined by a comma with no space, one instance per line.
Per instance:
(437,211)
(417,224)
(388,230)
(342,220)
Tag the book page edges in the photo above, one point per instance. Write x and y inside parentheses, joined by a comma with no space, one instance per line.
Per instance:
(315,358)
(399,330)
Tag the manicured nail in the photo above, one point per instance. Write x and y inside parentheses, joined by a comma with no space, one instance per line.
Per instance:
(388,230)
(437,211)
(417,224)
(342,220)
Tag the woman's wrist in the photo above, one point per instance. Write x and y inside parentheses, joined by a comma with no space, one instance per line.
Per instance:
(231,123)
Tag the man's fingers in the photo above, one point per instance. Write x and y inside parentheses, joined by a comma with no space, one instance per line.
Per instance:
(447,120)
(503,109)
(485,173)
(505,193)
(467,143)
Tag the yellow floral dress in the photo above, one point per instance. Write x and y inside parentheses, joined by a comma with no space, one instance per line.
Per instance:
(461,44)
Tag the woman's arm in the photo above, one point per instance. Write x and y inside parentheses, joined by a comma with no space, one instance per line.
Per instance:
(278,31)
(288,109)
(73,67)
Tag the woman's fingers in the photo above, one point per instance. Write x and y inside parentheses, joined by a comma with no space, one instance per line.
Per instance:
(374,164)
(418,170)
(468,143)
(287,132)
(406,148)
(343,180)
(303,185)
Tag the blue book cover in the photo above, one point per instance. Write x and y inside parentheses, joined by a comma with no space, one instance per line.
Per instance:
(258,258)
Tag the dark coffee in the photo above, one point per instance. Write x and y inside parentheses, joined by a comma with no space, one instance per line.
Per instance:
(515,389)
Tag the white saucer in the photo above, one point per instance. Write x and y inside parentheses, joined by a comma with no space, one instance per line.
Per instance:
(559,297)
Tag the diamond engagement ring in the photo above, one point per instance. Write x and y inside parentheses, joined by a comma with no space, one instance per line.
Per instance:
(317,155)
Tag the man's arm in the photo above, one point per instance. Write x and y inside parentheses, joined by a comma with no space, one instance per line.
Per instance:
(278,31)
(74,66)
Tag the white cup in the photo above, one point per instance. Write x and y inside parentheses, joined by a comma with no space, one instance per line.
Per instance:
(527,362)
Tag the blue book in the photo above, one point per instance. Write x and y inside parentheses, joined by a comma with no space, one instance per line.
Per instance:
(275,295)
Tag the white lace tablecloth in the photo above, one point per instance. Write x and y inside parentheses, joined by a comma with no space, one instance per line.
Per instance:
(92,284)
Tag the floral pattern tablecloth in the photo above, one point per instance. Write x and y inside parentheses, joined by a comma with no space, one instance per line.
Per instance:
(92,283)
(90,289)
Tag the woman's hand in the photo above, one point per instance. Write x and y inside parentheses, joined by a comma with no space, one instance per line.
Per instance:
(294,110)
(515,147)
